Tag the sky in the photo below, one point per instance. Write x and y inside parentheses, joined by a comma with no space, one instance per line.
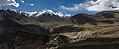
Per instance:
(64,6)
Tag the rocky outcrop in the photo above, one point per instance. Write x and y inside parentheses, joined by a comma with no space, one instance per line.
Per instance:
(57,40)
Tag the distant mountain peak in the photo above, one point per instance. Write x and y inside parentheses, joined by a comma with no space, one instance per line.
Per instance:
(50,12)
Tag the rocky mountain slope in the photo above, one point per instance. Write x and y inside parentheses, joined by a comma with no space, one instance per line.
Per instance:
(49,18)
(109,17)
(69,33)
(91,37)
(105,17)
(46,16)
(82,19)
(14,35)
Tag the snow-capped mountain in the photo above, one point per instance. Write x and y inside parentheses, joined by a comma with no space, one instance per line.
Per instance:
(46,16)
(51,12)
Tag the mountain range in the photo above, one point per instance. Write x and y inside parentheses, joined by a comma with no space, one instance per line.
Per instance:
(21,30)
(47,16)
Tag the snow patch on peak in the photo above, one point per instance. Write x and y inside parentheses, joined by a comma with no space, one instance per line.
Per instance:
(51,12)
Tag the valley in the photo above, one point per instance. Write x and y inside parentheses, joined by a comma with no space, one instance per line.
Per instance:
(49,31)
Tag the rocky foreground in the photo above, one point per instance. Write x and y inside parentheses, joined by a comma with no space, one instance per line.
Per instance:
(18,32)
(92,37)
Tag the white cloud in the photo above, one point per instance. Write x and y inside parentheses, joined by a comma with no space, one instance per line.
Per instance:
(9,3)
(31,4)
(22,1)
(99,5)
(69,8)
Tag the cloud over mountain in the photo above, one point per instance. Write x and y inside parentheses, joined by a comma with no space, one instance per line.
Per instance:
(9,3)
(98,5)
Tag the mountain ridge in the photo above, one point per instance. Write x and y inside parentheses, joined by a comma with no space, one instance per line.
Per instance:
(18,31)
(104,17)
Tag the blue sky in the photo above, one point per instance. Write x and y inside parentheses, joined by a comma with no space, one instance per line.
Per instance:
(39,5)
(49,4)
(65,6)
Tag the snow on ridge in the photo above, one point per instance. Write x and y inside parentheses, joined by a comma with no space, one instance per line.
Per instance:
(36,14)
